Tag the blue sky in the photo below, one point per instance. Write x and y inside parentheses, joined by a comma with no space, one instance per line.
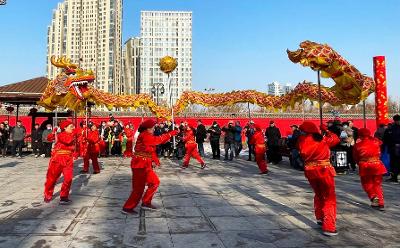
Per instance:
(236,44)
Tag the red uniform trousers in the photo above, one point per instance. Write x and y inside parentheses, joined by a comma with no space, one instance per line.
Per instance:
(58,164)
(260,157)
(322,181)
(141,178)
(372,184)
(95,161)
(191,151)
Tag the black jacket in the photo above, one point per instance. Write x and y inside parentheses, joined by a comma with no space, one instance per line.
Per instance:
(36,135)
(391,138)
(201,133)
(215,133)
(273,135)
(229,134)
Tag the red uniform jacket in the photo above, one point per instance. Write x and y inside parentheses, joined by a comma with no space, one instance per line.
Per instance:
(129,134)
(145,149)
(64,143)
(93,140)
(316,154)
(259,141)
(189,137)
(366,154)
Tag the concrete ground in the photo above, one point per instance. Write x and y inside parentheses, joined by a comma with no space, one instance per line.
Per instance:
(226,205)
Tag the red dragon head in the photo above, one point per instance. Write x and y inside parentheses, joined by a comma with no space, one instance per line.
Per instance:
(78,79)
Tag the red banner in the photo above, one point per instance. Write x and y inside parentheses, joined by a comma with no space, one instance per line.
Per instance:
(381,99)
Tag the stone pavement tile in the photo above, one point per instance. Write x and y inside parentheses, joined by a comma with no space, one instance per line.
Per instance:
(188,225)
(109,226)
(231,223)
(105,213)
(178,201)
(263,222)
(248,210)
(183,212)
(245,239)
(210,201)
(196,240)
(220,211)
(92,239)
(12,226)
(53,226)
(155,225)
(11,240)
(110,202)
(148,241)
(46,241)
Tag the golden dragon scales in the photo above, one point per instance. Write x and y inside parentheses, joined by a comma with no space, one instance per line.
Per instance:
(72,88)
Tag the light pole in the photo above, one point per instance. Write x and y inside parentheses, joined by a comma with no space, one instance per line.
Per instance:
(158,88)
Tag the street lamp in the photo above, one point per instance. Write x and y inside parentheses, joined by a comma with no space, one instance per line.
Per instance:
(158,88)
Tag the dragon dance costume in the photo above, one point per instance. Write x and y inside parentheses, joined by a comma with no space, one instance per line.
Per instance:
(61,162)
(320,173)
(142,167)
(367,154)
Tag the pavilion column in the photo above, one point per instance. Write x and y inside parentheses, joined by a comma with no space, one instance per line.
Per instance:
(17,114)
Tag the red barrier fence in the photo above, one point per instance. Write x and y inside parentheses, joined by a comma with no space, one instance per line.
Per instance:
(282,123)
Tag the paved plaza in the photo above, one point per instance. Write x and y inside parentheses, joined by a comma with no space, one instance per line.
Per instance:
(226,205)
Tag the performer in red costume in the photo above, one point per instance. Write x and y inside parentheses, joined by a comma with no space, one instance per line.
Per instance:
(93,150)
(258,141)
(315,151)
(191,147)
(129,132)
(61,162)
(142,167)
(366,154)
(82,140)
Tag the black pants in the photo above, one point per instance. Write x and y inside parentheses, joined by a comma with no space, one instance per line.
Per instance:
(238,148)
(117,148)
(273,154)
(47,149)
(107,148)
(251,150)
(215,149)
(228,150)
(394,165)
(36,147)
(17,144)
(200,146)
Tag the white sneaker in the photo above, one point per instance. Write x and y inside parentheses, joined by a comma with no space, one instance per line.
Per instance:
(43,155)
(36,156)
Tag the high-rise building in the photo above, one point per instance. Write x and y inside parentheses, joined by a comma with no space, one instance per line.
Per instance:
(275,89)
(89,32)
(166,33)
(131,66)
(287,88)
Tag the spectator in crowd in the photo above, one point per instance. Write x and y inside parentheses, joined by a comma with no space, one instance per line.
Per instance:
(238,139)
(111,117)
(379,133)
(4,136)
(215,135)
(47,143)
(392,140)
(104,132)
(17,137)
(229,140)
(167,146)
(129,132)
(249,134)
(355,129)
(295,159)
(180,144)
(36,140)
(273,135)
(347,142)
(158,132)
(201,135)
(116,131)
